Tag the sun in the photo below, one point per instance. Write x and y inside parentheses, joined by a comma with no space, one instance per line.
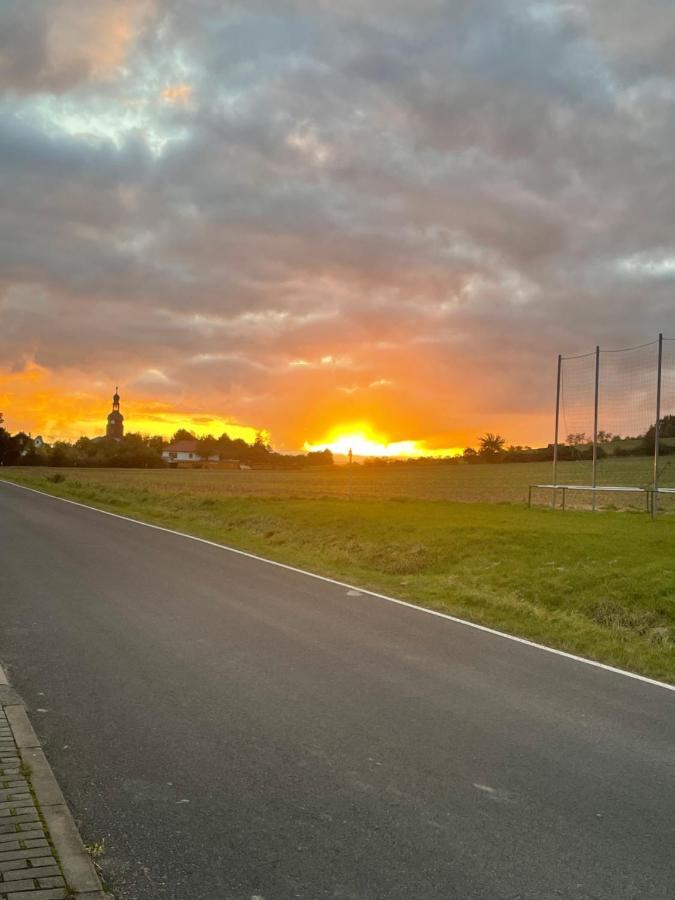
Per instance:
(362,445)
(363,440)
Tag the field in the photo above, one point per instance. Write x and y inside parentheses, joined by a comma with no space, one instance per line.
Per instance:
(601,585)
(506,483)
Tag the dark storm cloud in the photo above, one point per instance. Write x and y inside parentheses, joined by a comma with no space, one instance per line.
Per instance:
(249,185)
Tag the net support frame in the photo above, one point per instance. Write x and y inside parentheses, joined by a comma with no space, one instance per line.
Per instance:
(657,429)
(652,493)
(557,429)
(595,422)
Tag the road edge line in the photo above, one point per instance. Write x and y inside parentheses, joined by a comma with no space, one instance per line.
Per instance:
(78,869)
(423,609)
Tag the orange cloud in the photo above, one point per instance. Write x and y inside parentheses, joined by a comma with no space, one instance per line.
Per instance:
(177,93)
(96,35)
(37,402)
(296,416)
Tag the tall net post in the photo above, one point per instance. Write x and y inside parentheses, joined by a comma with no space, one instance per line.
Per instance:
(657,429)
(595,422)
(557,428)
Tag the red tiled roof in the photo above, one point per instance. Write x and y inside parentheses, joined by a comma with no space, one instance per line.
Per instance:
(182,447)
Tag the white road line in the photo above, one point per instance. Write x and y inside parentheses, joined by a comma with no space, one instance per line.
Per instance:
(421,609)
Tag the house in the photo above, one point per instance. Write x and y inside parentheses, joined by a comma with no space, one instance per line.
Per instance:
(186,455)
(186,452)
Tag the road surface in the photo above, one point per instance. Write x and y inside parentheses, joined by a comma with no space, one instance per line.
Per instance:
(233,729)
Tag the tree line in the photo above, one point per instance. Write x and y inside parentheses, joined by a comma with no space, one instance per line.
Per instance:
(493,448)
(259,454)
(144,451)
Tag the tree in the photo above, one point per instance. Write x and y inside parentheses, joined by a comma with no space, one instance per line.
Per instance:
(320,458)
(260,442)
(207,446)
(61,454)
(6,447)
(491,444)
(182,435)
(85,448)
(666,430)
(259,452)
(573,440)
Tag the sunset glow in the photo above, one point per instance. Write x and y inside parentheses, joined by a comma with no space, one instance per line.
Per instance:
(38,404)
(363,442)
(250,219)
(307,306)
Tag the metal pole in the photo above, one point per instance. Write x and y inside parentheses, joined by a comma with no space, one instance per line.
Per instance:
(595,422)
(350,473)
(657,431)
(557,426)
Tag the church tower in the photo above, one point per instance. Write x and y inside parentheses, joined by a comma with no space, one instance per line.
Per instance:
(115,428)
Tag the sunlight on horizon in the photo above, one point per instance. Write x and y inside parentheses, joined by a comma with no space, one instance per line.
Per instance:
(362,440)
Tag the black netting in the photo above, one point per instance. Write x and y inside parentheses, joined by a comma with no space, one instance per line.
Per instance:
(577,400)
(627,392)
(667,461)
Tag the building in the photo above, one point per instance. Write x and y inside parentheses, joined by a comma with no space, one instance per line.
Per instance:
(186,455)
(115,428)
(187,452)
(184,452)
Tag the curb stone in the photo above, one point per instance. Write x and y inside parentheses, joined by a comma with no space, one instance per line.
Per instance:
(34,818)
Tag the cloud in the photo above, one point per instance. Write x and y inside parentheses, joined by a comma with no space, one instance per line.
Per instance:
(424,204)
(177,93)
(57,46)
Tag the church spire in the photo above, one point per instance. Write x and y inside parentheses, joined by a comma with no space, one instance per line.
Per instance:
(115,427)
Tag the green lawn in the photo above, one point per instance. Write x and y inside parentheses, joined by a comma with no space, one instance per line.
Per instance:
(601,585)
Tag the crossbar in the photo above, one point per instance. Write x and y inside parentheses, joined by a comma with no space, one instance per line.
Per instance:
(589,487)
(649,493)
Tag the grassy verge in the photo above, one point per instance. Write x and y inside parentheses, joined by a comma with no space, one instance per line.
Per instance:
(600,585)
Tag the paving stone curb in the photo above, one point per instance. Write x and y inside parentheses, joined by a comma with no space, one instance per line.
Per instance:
(30,799)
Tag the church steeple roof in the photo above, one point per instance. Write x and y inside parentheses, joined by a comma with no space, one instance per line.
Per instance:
(115,427)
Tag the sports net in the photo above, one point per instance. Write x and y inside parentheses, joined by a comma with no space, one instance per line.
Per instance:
(627,382)
(577,405)
(667,426)
(626,410)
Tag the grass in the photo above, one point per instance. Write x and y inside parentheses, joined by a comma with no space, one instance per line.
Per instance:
(466,483)
(598,585)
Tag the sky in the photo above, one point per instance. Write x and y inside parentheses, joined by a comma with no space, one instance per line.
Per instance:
(325,220)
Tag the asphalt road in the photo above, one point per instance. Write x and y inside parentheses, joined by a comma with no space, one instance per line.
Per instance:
(236,730)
